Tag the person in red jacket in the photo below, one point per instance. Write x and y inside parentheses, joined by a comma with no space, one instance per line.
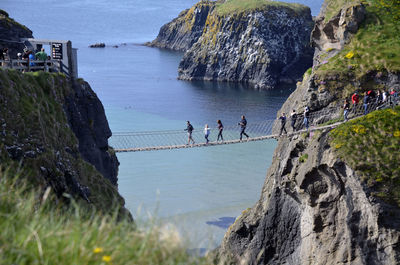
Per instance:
(355,98)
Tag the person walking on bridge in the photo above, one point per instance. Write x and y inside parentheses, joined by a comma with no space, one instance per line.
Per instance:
(189,129)
(206,133)
(243,124)
(220,129)
(283,123)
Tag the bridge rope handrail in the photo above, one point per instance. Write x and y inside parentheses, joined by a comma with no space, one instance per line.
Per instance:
(261,130)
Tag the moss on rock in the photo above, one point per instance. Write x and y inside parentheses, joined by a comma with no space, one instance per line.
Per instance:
(370,145)
(37,142)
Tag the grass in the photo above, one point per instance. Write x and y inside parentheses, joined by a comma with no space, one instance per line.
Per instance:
(303,158)
(370,145)
(35,230)
(334,6)
(374,50)
(239,6)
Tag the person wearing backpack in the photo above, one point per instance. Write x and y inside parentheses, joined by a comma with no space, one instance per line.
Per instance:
(189,129)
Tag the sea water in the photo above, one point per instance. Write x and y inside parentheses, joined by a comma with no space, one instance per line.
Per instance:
(198,191)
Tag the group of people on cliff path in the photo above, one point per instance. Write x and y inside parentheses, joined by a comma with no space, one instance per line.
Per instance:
(28,55)
(220,127)
(371,97)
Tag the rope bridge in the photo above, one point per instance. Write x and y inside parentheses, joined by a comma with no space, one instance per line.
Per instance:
(176,139)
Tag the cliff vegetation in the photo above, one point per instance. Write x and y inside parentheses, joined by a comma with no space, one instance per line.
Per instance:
(370,145)
(36,138)
(34,230)
(229,7)
(372,53)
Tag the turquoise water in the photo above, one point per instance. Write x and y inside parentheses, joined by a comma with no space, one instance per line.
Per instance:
(199,191)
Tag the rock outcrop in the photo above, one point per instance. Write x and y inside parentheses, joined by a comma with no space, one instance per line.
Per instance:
(315,208)
(262,46)
(49,127)
(337,31)
(10,34)
(54,131)
(184,31)
(88,121)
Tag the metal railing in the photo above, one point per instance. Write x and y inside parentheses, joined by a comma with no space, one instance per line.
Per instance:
(32,65)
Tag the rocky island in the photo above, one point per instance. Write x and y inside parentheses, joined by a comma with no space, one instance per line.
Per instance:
(262,43)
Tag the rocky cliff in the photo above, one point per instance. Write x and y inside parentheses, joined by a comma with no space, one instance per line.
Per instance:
(54,131)
(10,34)
(39,113)
(184,31)
(263,43)
(323,203)
(88,121)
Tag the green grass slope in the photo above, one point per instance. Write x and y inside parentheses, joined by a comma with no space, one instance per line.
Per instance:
(370,145)
(34,230)
(239,6)
(373,51)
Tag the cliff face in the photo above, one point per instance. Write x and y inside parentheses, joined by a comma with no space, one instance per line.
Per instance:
(38,143)
(56,130)
(314,207)
(88,121)
(10,34)
(314,212)
(261,46)
(182,32)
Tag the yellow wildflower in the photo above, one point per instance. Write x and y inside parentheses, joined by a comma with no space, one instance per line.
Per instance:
(337,146)
(106,258)
(350,55)
(359,129)
(396,134)
(97,250)
(393,112)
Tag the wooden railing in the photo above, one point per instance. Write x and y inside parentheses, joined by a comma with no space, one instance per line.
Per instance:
(32,65)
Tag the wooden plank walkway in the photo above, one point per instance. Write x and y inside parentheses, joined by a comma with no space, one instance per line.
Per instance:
(237,141)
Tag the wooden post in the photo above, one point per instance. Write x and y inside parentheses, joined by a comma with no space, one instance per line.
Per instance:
(29,64)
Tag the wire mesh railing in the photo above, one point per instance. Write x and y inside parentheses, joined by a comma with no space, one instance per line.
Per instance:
(172,139)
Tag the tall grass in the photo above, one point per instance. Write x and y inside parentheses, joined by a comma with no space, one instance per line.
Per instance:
(34,229)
